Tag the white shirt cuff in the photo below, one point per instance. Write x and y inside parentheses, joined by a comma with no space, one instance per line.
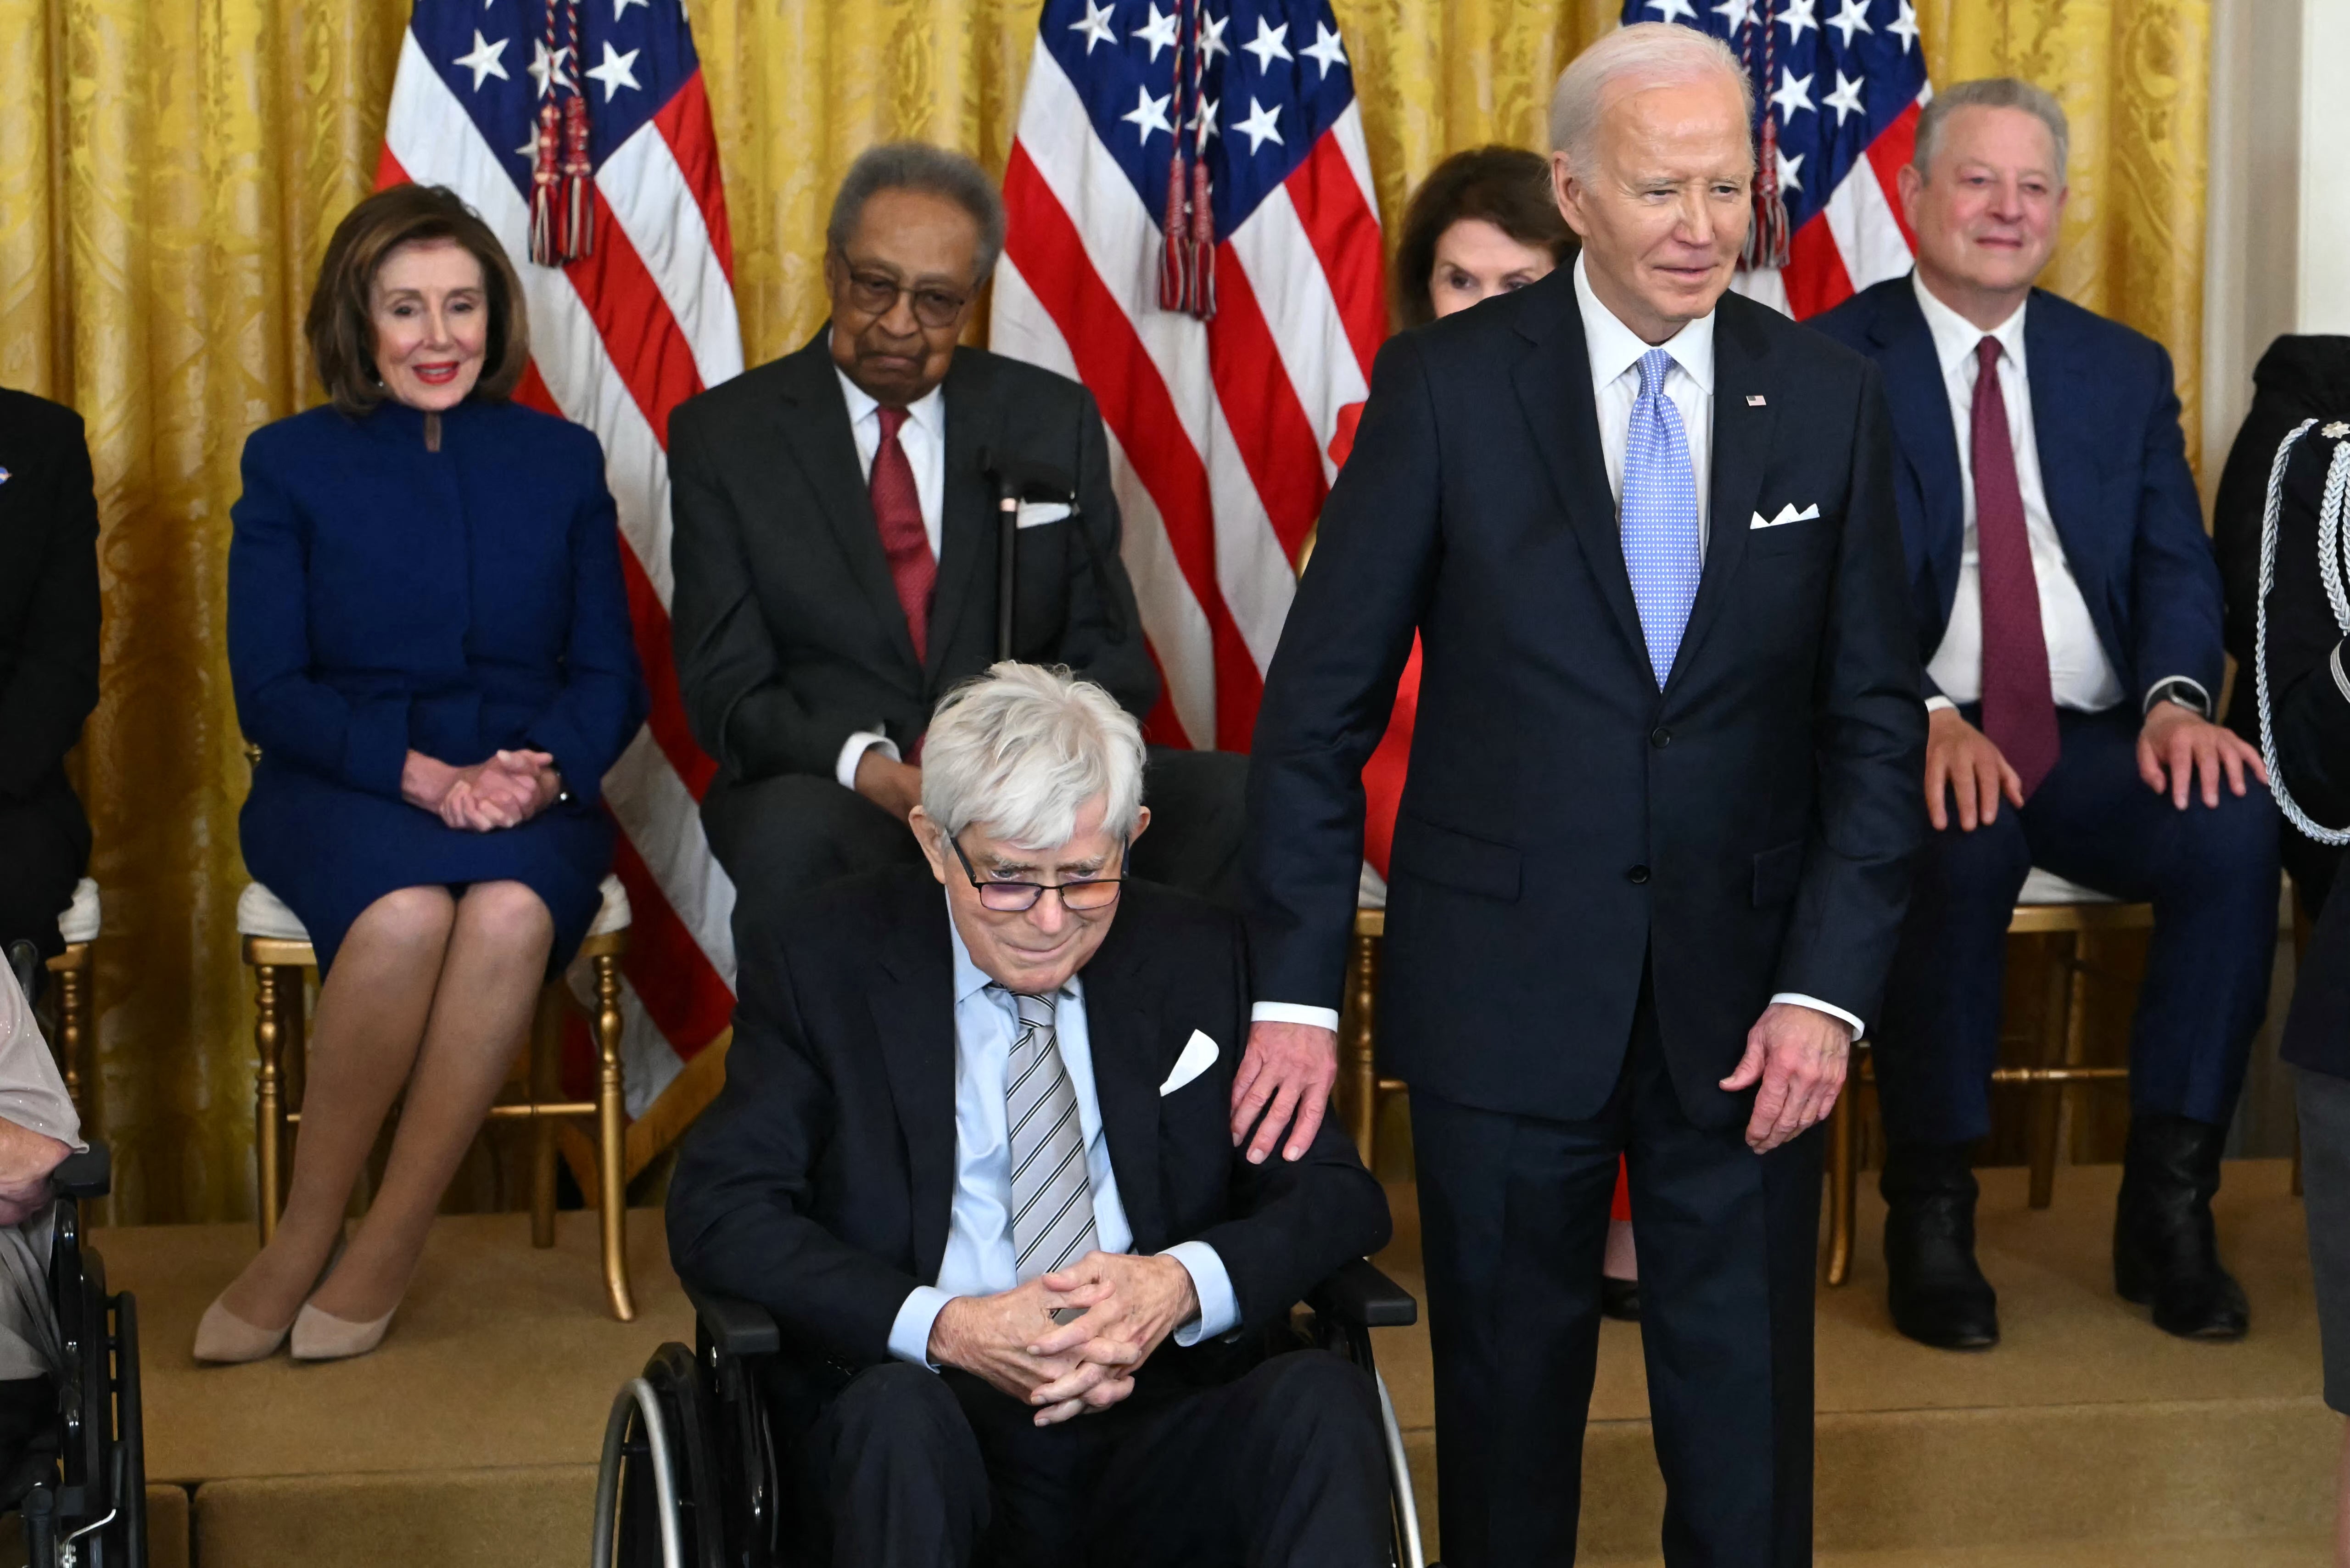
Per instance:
(1830,1008)
(1220,1309)
(1295,1013)
(910,1331)
(853,753)
(2147,706)
(1937,704)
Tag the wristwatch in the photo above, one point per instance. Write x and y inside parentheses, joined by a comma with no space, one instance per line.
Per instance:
(2184,692)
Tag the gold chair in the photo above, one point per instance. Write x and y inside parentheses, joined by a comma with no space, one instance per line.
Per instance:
(278,951)
(73,968)
(2078,919)
(1361,1090)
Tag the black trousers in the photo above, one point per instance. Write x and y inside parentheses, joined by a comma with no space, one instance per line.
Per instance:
(782,837)
(44,848)
(908,1468)
(1513,1218)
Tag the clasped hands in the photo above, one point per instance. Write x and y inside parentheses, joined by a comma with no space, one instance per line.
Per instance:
(506,791)
(1128,1303)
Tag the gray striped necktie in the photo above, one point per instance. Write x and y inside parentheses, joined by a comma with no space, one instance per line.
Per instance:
(1052,1197)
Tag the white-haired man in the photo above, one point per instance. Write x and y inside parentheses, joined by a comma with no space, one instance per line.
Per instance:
(950,1115)
(1651,861)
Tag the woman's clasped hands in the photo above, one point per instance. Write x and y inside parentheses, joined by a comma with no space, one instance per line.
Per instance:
(504,791)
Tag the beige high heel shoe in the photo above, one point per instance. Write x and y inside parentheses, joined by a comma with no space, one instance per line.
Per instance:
(322,1336)
(224,1337)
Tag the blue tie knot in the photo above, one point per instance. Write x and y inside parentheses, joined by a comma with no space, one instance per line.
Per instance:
(1655,365)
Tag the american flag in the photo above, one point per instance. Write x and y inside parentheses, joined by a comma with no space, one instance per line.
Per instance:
(619,337)
(1230,364)
(1839,94)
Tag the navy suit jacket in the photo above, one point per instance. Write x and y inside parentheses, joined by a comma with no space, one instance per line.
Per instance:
(1566,826)
(2113,460)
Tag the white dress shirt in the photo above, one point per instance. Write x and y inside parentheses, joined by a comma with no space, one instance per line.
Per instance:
(923,439)
(2080,675)
(1615,352)
(979,1259)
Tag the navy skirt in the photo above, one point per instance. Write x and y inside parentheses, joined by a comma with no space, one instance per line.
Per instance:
(329,851)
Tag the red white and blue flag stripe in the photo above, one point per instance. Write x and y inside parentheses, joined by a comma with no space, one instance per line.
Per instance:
(1839,83)
(1226,425)
(619,337)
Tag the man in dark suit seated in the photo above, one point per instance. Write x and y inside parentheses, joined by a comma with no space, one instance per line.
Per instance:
(836,554)
(48,662)
(973,1153)
(2069,609)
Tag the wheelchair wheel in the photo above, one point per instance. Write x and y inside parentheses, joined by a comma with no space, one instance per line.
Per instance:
(1354,1342)
(657,1493)
(95,1515)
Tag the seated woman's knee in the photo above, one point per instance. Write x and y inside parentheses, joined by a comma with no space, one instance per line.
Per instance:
(507,913)
(406,918)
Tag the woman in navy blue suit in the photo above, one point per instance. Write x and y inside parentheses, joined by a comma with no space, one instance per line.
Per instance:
(430,646)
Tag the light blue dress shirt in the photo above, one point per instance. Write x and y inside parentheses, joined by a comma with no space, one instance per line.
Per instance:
(979,1259)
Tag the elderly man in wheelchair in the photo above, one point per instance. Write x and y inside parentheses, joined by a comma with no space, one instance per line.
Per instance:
(974,1159)
(73,1470)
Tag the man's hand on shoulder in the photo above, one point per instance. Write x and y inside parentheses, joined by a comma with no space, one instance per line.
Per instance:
(1290,1068)
(1960,760)
(2177,746)
(1798,1055)
(895,787)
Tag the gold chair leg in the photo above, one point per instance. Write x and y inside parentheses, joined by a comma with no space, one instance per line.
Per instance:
(1361,1068)
(2048,1099)
(611,1183)
(1842,1137)
(546,1064)
(73,1020)
(268,1108)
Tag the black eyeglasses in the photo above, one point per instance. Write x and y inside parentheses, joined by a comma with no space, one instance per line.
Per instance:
(1078,898)
(876,294)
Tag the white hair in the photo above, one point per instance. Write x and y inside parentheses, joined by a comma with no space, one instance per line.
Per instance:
(1022,749)
(1658,53)
(1989,92)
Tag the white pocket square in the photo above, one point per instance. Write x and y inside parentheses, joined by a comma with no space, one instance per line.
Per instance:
(1037,514)
(1199,1055)
(1787,514)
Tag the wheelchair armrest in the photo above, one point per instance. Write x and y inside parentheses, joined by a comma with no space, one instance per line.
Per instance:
(85,1175)
(738,1327)
(1360,1293)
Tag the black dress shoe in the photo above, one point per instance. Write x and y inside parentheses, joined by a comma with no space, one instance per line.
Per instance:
(1619,1299)
(1937,1294)
(2166,1248)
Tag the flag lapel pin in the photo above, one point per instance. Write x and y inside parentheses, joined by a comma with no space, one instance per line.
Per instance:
(1755,400)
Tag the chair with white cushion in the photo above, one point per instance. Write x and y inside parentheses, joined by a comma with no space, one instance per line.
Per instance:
(73,968)
(2078,919)
(278,951)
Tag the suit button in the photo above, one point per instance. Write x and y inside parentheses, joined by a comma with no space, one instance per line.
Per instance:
(1637,875)
(1660,737)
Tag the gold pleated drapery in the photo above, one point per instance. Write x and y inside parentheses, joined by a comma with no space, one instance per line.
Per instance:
(169,175)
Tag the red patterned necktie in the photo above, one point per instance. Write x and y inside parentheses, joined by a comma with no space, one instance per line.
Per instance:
(2019,710)
(897,511)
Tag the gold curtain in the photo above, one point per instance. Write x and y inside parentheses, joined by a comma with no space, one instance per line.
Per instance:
(169,175)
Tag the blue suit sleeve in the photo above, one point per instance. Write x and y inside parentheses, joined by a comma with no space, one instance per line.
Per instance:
(2175,591)
(361,743)
(603,699)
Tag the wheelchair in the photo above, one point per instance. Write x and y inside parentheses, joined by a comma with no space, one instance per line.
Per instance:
(80,1482)
(689,1477)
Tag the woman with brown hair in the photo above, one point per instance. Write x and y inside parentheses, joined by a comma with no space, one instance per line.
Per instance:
(429,638)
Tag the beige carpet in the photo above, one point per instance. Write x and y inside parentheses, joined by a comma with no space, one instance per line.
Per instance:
(2086,1439)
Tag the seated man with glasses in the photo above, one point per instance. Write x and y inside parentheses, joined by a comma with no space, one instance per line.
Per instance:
(837,551)
(972,1154)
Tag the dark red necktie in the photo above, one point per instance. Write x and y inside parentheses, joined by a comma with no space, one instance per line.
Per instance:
(2019,710)
(897,511)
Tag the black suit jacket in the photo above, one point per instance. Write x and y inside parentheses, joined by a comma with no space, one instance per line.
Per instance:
(1743,832)
(820,1184)
(2113,463)
(48,604)
(788,632)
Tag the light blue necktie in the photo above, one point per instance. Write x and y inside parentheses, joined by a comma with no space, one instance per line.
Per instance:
(1658,517)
